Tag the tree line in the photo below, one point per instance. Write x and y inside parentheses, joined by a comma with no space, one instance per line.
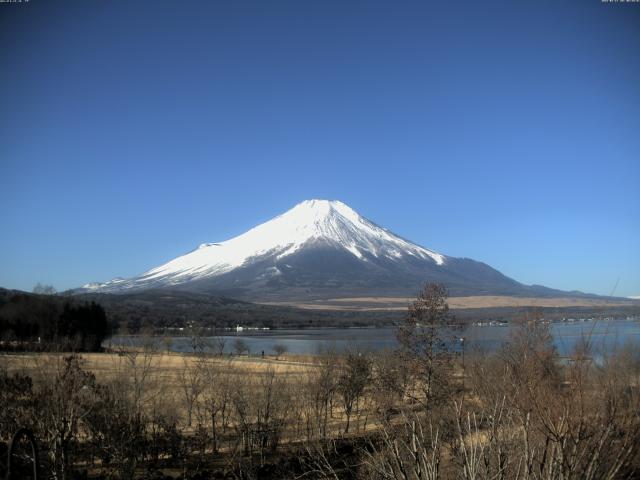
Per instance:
(46,322)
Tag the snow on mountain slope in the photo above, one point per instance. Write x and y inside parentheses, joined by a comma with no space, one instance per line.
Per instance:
(309,222)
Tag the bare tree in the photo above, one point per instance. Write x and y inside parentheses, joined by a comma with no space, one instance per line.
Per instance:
(64,401)
(216,395)
(191,384)
(168,343)
(216,345)
(272,409)
(262,411)
(241,401)
(352,381)
(116,430)
(240,346)
(535,418)
(424,346)
(320,385)
(17,400)
(44,289)
(280,349)
(390,381)
(407,450)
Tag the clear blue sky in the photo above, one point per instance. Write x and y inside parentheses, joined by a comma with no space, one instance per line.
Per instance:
(507,132)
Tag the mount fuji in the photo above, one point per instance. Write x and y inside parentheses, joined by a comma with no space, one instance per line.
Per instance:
(318,249)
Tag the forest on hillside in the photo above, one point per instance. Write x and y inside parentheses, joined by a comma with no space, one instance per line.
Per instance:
(48,322)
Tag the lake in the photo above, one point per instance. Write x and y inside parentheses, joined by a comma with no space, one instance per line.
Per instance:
(605,336)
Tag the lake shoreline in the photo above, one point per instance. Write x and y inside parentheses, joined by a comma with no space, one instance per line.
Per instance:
(605,334)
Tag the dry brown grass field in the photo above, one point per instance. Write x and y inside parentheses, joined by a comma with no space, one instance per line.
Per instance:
(165,374)
(479,301)
(287,393)
(165,369)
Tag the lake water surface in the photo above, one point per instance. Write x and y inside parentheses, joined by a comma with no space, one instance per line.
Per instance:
(605,335)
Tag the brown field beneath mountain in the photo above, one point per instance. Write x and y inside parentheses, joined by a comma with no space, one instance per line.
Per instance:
(478,301)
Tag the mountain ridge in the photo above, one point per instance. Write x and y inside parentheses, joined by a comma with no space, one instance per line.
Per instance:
(319,249)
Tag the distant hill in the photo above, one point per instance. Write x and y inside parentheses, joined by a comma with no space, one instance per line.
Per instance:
(165,310)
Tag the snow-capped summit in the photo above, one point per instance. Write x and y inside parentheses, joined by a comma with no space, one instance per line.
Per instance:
(318,246)
(314,220)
